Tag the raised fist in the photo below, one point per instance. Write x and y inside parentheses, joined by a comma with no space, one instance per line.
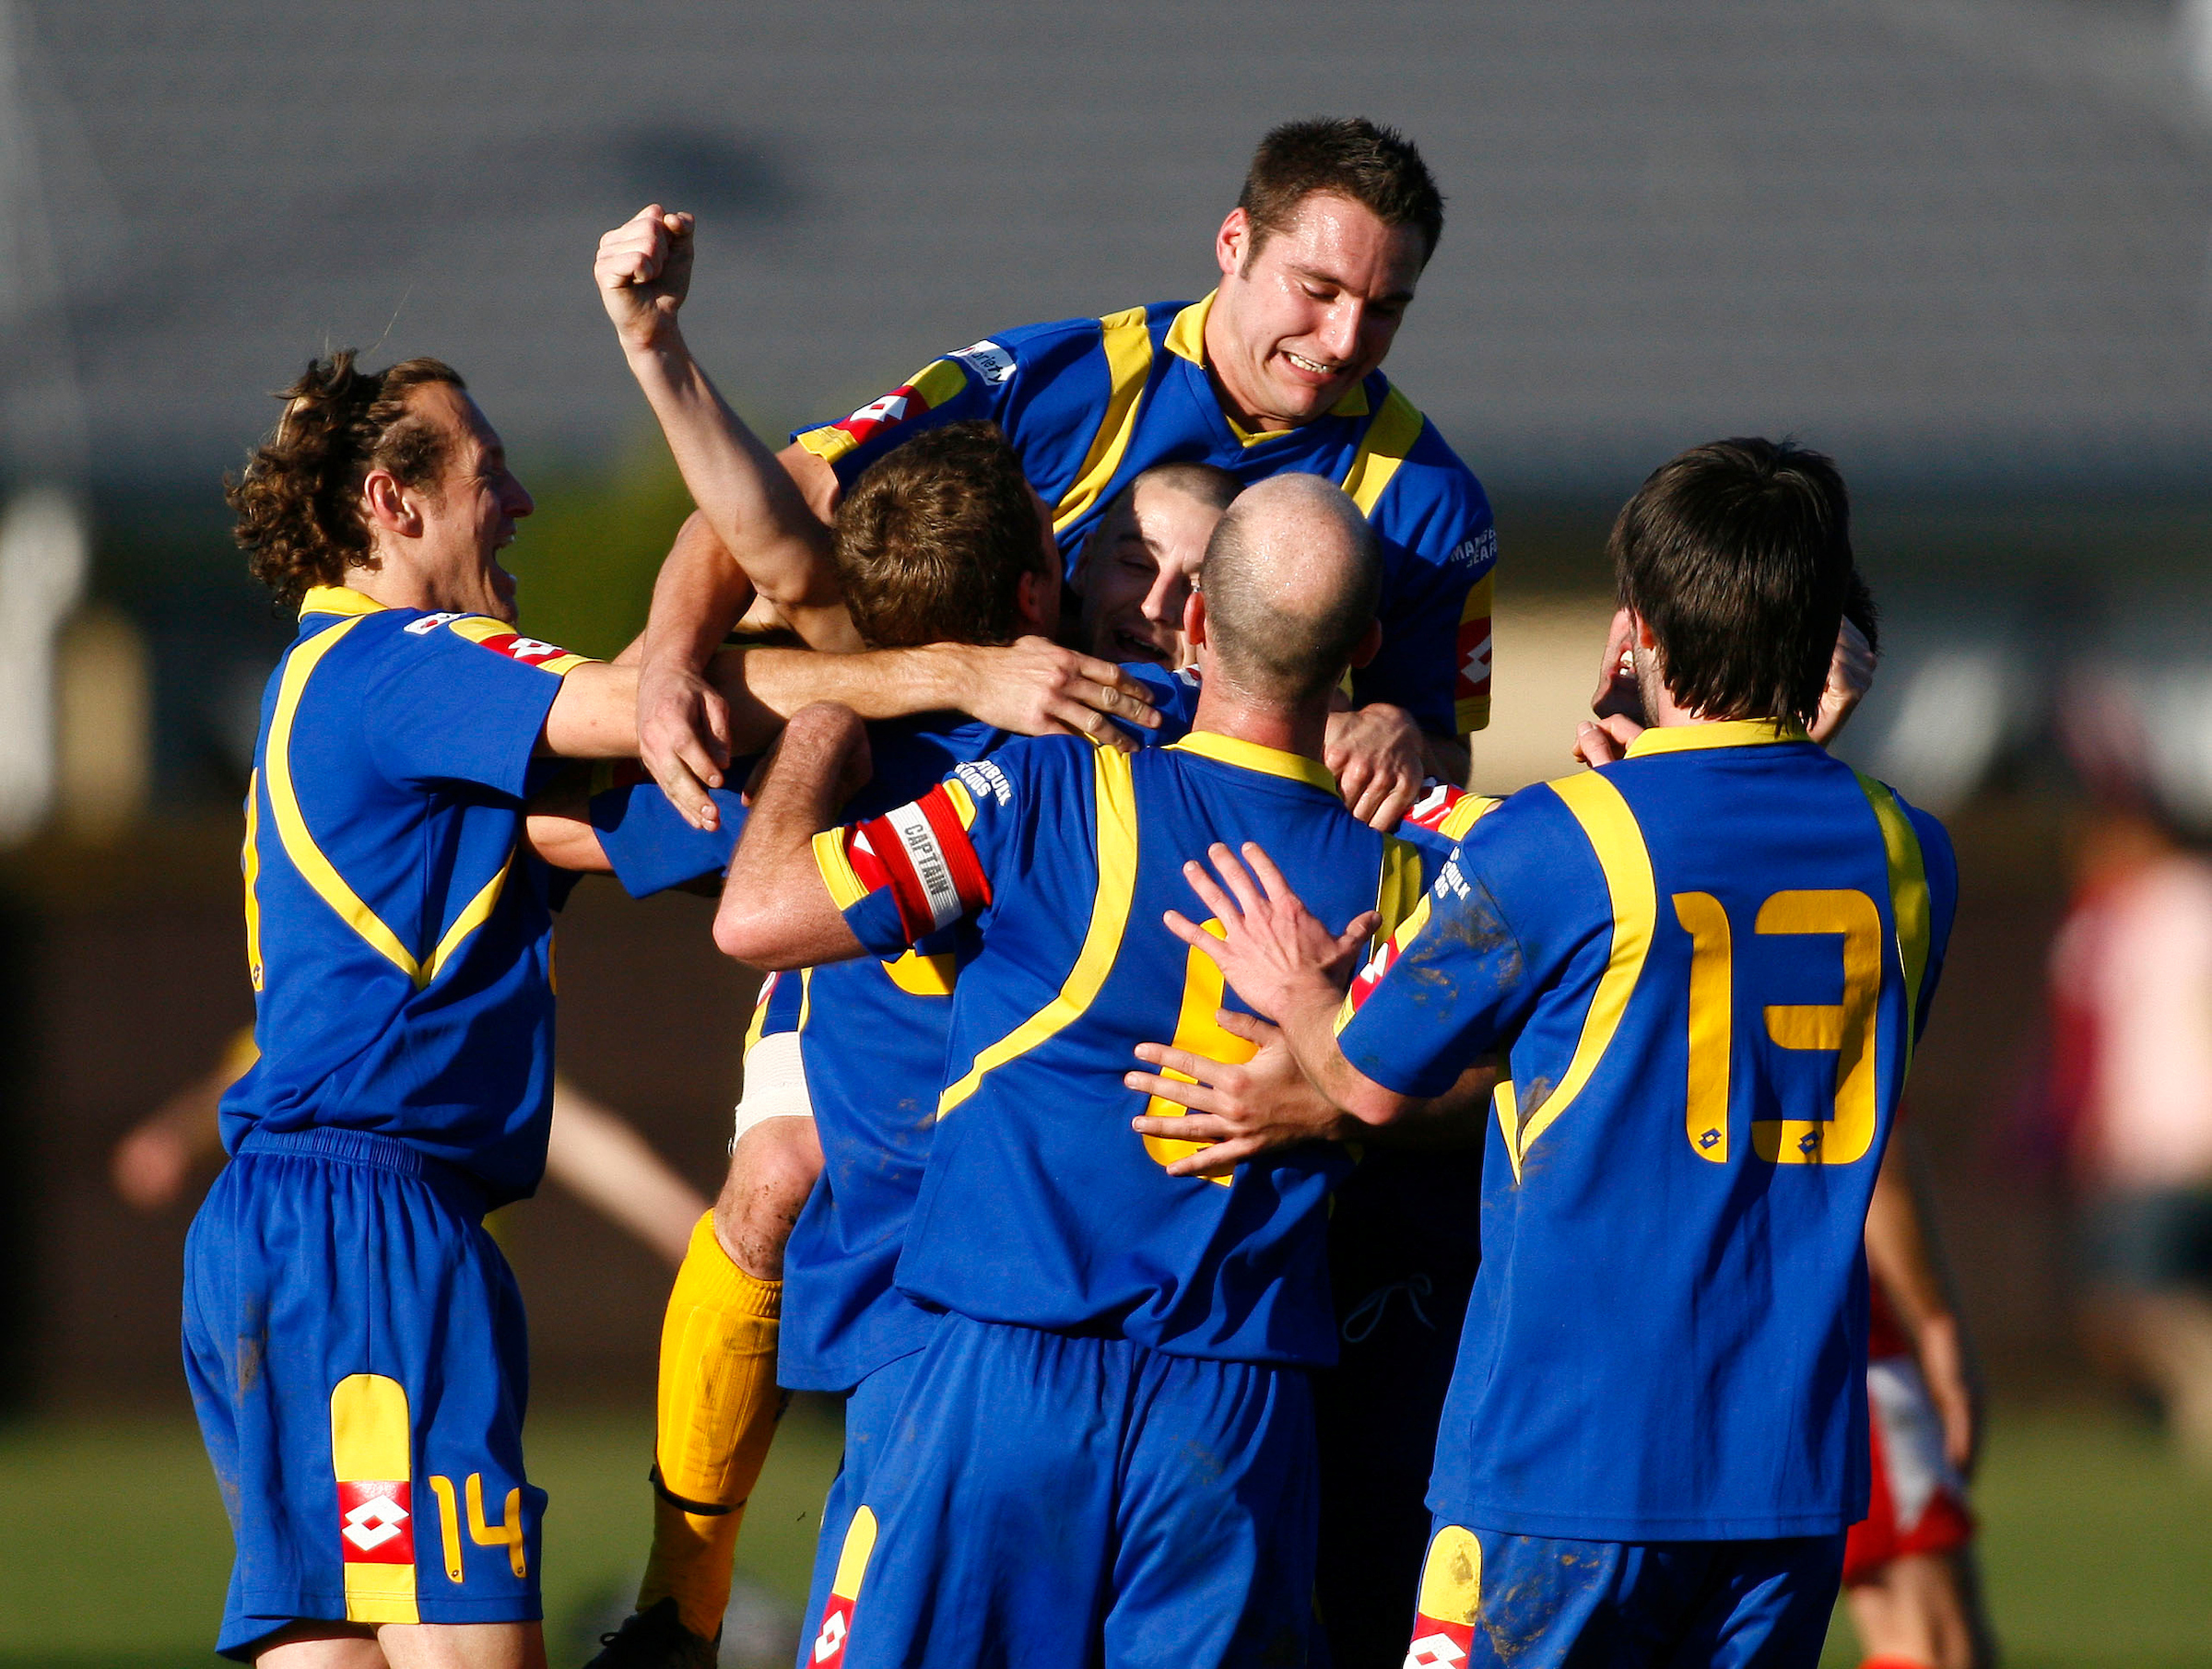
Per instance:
(644,270)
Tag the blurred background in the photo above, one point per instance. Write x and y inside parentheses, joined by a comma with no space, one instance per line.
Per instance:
(1963,245)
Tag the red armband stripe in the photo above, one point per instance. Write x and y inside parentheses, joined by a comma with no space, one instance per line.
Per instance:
(929,863)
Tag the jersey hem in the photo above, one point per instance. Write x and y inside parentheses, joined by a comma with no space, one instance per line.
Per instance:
(1566,1527)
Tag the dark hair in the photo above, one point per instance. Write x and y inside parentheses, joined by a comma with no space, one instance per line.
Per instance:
(1284,617)
(299,498)
(1737,555)
(1349,157)
(933,540)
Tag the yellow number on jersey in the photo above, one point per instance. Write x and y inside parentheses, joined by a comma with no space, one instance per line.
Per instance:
(1198,1032)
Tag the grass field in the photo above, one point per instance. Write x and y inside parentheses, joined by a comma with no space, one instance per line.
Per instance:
(113,1550)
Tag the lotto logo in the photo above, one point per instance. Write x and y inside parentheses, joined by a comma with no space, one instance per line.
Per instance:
(1474,656)
(1437,1651)
(1371,976)
(830,1643)
(428,623)
(528,651)
(881,414)
(374,1524)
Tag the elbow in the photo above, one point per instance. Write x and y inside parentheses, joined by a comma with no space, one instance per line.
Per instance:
(1374,1106)
(746,935)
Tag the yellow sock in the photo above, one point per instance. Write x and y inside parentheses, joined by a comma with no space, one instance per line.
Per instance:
(718,1409)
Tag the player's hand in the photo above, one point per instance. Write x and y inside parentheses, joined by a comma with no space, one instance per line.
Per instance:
(150,1164)
(1272,951)
(644,271)
(1850,676)
(1034,688)
(1616,688)
(1376,753)
(684,737)
(1606,740)
(1950,1374)
(1243,1110)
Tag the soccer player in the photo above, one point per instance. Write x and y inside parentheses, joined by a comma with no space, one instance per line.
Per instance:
(1105,1452)
(1277,370)
(1708,965)
(930,548)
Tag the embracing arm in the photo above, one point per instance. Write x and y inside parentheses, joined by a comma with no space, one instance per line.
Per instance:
(776,911)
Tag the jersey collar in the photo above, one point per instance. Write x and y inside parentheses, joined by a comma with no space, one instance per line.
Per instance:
(1724,733)
(1252,756)
(338,600)
(1186,339)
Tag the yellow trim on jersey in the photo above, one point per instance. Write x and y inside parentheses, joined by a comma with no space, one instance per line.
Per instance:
(1908,898)
(963,803)
(1187,340)
(1508,1102)
(338,600)
(1401,890)
(805,998)
(828,442)
(1253,755)
(757,1028)
(1116,797)
(1721,733)
(477,629)
(251,861)
(937,382)
(316,869)
(1407,931)
(838,874)
(370,1444)
(1610,827)
(300,846)
(1456,824)
(1127,343)
(1388,438)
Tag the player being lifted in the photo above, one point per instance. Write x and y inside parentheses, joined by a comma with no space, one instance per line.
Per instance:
(1709,964)
(1116,1460)
(1278,369)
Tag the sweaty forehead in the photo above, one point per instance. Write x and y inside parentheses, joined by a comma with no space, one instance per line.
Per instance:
(456,411)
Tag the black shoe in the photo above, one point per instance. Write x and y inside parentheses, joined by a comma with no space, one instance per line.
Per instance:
(654,1639)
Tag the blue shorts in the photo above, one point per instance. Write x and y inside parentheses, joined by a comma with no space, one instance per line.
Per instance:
(1079,1503)
(870,1428)
(358,1361)
(1541,1602)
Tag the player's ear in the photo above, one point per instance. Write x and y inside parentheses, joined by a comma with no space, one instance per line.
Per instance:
(1194,618)
(1037,601)
(1232,243)
(387,505)
(1369,646)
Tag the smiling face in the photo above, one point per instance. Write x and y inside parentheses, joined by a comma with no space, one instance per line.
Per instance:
(1299,320)
(470,516)
(1137,569)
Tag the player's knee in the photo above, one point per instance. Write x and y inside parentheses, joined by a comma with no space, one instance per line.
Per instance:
(773,1169)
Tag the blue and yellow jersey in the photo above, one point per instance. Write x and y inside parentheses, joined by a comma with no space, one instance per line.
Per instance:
(398,935)
(1039,1205)
(1708,965)
(1090,404)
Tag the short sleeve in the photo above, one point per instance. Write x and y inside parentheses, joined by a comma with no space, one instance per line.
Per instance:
(1441,546)
(1174,695)
(648,841)
(972,383)
(1443,987)
(462,698)
(922,867)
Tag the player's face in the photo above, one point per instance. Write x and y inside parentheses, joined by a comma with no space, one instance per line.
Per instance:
(1137,569)
(478,502)
(1300,321)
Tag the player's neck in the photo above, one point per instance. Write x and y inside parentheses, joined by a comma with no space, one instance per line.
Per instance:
(1220,370)
(1226,713)
(396,582)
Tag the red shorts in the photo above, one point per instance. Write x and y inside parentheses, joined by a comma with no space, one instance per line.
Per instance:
(1918,1503)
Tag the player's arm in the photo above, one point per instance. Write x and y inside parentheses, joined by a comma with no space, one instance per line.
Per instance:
(777,911)
(1267,1102)
(1902,1255)
(644,271)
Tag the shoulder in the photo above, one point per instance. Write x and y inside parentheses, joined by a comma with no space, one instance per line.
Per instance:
(1428,478)
(414,639)
(1447,811)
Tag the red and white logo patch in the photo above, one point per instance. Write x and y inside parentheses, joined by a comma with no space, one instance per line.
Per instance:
(1371,976)
(829,1639)
(897,406)
(376,1526)
(1473,657)
(1435,804)
(528,651)
(1439,1645)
